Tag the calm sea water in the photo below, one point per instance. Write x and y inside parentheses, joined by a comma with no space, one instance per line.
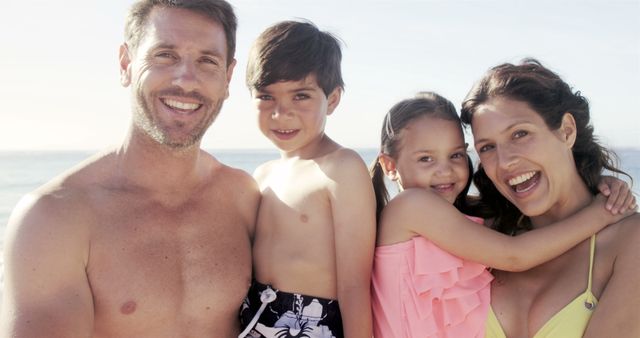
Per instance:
(21,172)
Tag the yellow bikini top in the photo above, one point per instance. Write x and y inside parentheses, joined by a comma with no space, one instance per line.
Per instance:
(569,322)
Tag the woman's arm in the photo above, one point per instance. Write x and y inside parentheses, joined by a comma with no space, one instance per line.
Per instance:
(617,314)
(428,215)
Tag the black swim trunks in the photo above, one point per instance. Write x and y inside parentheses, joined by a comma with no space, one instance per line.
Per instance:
(289,315)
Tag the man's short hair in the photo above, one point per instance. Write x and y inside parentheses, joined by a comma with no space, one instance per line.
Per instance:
(292,50)
(219,11)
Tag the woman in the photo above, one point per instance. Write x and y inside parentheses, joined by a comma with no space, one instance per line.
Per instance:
(540,163)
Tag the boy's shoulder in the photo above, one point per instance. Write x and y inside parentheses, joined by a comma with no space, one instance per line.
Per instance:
(341,157)
(345,167)
(263,170)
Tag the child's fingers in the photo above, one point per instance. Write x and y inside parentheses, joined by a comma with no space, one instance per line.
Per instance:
(604,188)
(618,192)
(629,205)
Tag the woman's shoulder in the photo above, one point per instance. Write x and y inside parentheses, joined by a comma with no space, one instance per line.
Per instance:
(621,236)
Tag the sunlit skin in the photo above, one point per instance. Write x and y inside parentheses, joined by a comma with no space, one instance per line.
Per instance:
(152,238)
(509,136)
(307,221)
(292,114)
(178,82)
(533,167)
(432,156)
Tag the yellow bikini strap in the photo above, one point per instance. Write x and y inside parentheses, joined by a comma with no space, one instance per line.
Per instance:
(591,255)
(590,302)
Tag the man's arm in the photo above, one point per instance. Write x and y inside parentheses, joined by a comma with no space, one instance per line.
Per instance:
(353,211)
(46,290)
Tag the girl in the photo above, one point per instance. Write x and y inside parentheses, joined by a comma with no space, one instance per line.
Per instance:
(429,277)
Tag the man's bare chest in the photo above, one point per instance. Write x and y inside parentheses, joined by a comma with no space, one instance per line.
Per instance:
(148,261)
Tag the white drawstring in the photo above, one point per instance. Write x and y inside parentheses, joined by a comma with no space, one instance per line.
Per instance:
(267,296)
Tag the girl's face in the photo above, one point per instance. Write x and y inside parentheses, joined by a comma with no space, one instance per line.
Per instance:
(531,165)
(431,155)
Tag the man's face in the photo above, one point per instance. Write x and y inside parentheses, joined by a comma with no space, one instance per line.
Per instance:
(179,76)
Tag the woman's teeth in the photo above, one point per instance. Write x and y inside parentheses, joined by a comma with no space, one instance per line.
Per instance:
(522,178)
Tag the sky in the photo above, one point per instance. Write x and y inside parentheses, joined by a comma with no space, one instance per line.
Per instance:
(60,85)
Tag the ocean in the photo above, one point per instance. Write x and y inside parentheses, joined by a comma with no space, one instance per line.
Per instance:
(22,172)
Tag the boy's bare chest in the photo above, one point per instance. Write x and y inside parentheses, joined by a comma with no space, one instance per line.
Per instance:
(299,203)
(298,186)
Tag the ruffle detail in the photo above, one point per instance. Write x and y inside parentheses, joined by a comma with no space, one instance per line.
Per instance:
(450,296)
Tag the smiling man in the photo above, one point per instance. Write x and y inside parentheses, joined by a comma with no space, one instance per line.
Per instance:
(151,239)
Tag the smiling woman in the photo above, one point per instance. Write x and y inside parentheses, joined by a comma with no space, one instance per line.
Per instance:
(540,163)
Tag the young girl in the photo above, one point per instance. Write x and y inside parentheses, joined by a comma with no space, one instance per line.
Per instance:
(429,277)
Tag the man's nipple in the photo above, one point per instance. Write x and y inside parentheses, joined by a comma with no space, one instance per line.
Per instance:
(128,307)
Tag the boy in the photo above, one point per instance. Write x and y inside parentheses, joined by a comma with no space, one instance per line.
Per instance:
(315,233)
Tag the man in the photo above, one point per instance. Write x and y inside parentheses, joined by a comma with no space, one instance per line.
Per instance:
(151,239)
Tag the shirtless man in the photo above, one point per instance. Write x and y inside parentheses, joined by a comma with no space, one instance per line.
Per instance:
(151,239)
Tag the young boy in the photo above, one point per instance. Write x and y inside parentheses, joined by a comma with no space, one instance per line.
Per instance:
(315,234)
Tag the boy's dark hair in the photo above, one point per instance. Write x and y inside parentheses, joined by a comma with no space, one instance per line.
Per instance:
(219,11)
(292,50)
(549,96)
(397,119)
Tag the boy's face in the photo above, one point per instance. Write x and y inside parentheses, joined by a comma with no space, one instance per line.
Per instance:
(292,114)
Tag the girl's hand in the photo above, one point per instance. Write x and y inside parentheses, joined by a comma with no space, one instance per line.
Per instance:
(620,198)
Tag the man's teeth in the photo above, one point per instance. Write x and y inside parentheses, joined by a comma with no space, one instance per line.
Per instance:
(521,178)
(181,105)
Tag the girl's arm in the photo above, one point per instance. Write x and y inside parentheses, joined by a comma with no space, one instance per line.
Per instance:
(427,214)
(619,195)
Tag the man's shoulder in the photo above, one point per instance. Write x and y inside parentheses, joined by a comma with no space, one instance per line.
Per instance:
(52,216)
(63,197)
(224,171)
(223,175)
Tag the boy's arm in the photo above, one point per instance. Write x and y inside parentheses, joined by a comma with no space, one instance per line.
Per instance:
(432,217)
(46,292)
(353,211)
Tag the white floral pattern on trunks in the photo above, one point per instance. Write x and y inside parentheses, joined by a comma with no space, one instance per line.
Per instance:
(290,325)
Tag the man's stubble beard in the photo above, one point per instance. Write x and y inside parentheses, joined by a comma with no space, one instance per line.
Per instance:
(144,119)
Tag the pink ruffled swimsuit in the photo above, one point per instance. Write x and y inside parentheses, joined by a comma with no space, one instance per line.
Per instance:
(420,290)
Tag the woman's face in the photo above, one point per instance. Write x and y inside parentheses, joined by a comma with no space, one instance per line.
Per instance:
(528,163)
